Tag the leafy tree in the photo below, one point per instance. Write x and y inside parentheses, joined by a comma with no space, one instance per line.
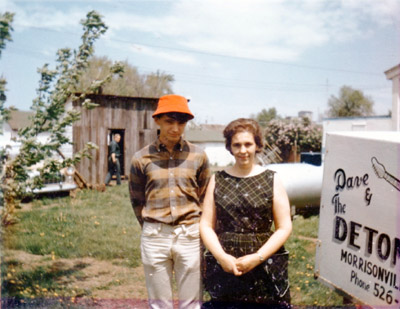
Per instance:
(265,116)
(351,102)
(286,134)
(133,84)
(54,90)
(6,20)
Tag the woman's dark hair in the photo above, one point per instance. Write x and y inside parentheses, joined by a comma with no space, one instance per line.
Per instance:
(243,125)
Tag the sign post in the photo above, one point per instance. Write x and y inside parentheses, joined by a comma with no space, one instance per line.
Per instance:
(359,230)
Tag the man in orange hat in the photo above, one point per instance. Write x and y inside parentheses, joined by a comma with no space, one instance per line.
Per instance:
(167,183)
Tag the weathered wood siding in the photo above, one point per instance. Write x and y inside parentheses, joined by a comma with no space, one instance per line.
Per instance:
(123,113)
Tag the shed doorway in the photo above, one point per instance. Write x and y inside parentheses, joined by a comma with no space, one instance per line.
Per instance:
(110,135)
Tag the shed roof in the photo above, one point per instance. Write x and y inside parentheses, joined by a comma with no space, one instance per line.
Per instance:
(19,119)
(204,136)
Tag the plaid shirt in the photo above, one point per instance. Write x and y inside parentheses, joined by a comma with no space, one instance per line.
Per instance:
(169,187)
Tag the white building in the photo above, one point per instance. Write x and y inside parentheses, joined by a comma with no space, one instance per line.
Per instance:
(213,143)
(18,120)
(393,74)
(371,123)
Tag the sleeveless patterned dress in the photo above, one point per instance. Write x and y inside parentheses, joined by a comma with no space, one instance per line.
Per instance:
(244,222)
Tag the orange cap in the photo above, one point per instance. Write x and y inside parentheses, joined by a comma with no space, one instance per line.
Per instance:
(172,103)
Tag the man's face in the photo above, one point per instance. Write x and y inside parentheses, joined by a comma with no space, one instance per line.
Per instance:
(117,138)
(171,130)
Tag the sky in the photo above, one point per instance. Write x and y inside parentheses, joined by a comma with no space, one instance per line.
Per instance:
(231,58)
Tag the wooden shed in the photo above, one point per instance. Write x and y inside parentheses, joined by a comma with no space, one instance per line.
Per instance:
(131,117)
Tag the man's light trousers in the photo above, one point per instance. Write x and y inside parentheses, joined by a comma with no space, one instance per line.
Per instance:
(168,250)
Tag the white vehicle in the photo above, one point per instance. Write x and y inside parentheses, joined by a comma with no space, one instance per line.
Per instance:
(303,184)
(62,182)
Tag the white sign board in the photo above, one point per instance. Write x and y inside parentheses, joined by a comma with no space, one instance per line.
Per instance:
(359,229)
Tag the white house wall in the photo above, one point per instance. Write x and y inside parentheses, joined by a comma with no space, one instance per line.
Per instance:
(13,147)
(5,141)
(217,154)
(396,105)
(379,123)
(393,74)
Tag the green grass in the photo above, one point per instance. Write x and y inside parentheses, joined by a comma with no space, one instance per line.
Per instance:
(37,283)
(103,226)
(94,224)
(306,227)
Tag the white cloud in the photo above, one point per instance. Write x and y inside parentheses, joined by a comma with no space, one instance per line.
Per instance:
(267,30)
(50,18)
(174,56)
(7,5)
(37,14)
(381,12)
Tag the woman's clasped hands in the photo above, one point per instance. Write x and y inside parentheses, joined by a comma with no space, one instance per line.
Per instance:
(239,266)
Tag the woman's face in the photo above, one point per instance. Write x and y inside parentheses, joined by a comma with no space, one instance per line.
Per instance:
(244,148)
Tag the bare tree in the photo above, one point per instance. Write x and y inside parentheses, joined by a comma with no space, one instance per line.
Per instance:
(158,84)
(131,84)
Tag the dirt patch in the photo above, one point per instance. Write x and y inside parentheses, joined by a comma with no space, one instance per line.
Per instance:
(105,282)
(313,242)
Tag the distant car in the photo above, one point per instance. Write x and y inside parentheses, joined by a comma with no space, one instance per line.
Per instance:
(62,182)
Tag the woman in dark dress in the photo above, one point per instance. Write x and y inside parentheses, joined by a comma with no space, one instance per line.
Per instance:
(246,263)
